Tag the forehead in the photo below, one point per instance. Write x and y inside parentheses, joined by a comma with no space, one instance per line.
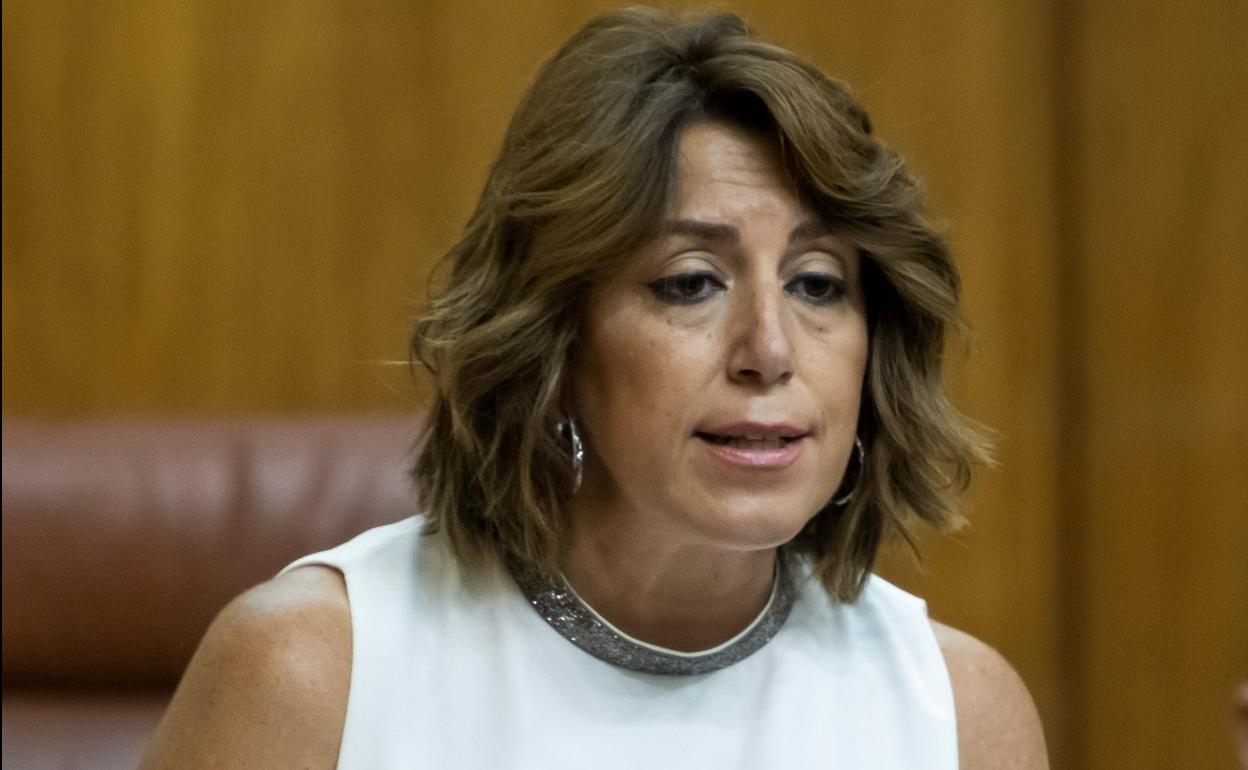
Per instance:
(729,185)
(727,171)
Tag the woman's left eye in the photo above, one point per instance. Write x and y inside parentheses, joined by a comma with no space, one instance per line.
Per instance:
(817,288)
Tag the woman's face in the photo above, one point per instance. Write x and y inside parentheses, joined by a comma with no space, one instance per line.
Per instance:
(721,369)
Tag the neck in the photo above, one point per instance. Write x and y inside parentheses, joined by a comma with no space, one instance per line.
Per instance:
(674,592)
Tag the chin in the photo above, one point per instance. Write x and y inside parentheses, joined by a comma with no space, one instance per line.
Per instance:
(751,527)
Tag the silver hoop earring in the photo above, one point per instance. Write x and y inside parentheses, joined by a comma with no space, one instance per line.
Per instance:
(578,452)
(862,464)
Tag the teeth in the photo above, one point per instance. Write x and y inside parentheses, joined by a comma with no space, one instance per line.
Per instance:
(747,442)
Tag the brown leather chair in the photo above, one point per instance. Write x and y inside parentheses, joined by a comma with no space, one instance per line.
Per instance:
(123,538)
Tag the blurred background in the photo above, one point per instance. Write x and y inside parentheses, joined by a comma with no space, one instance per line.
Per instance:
(225,208)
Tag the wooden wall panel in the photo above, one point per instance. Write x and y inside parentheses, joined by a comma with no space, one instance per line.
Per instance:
(1157,431)
(210,206)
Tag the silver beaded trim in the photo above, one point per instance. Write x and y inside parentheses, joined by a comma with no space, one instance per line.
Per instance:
(565,611)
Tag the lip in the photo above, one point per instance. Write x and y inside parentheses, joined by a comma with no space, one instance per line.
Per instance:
(760,459)
(763,429)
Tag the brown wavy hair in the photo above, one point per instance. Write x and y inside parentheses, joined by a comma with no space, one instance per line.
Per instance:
(580,185)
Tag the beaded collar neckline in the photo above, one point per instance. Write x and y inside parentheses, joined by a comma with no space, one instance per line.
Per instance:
(565,611)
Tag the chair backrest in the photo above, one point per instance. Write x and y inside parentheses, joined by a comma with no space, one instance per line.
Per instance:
(123,538)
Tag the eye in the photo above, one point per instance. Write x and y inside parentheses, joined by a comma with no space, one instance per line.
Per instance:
(686,288)
(817,288)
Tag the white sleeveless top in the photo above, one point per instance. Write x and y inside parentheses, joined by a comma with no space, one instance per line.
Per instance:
(456,670)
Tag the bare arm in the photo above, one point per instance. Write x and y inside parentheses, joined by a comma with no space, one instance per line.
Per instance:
(268,685)
(998,726)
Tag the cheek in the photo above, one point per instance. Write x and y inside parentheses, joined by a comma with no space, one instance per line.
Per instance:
(640,377)
(836,368)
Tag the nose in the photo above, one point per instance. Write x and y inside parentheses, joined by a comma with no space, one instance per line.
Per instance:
(762,346)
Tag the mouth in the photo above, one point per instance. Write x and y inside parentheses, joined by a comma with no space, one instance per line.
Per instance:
(756,442)
(753,448)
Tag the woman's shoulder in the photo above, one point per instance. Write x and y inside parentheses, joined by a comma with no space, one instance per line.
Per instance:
(394,541)
(268,684)
(303,610)
(998,726)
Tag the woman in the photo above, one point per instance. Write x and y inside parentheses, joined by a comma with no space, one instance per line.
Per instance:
(688,378)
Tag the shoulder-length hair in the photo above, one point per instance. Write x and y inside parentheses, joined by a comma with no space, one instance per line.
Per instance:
(581,184)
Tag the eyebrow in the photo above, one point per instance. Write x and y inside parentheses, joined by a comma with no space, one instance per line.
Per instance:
(722,233)
(810,230)
(707,231)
